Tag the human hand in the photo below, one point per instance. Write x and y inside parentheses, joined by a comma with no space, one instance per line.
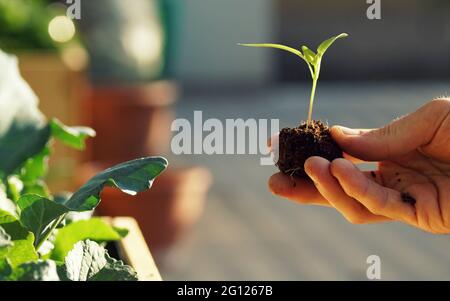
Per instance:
(411,185)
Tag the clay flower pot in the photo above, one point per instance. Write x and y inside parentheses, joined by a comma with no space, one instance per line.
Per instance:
(130,120)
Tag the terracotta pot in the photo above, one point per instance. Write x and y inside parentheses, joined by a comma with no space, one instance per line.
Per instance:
(166,211)
(131,120)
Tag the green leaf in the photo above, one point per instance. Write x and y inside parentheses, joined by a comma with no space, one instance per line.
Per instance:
(276,46)
(38,187)
(24,131)
(88,261)
(14,187)
(22,250)
(130,177)
(8,212)
(35,167)
(93,229)
(37,213)
(309,55)
(5,268)
(23,139)
(115,270)
(71,136)
(326,44)
(42,270)
(5,239)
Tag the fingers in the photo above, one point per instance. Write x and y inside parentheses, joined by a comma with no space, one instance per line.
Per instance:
(297,190)
(319,170)
(272,142)
(397,138)
(377,199)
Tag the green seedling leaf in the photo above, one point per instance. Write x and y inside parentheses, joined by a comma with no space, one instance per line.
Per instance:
(41,270)
(130,177)
(326,44)
(37,213)
(88,261)
(309,55)
(276,46)
(312,59)
(71,136)
(94,229)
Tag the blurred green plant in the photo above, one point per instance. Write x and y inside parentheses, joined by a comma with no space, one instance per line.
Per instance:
(45,236)
(24,24)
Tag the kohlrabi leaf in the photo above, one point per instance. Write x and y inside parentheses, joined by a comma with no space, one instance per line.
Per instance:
(309,55)
(24,131)
(8,209)
(7,217)
(35,167)
(130,177)
(5,239)
(5,268)
(37,213)
(41,270)
(22,249)
(14,187)
(115,270)
(88,261)
(20,141)
(38,187)
(326,44)
(71,136)
(94,229)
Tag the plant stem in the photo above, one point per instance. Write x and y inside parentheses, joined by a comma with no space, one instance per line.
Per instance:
(46,235)
(311,100)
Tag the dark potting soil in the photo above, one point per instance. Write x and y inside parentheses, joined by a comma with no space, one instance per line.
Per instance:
(296,145)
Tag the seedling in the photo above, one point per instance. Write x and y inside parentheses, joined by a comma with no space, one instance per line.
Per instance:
(313,60)
(312,138)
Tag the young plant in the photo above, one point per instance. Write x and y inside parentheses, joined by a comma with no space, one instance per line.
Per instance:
(312,59)
(45,236)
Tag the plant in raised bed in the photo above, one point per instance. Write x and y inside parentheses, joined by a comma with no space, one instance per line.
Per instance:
(310,138)
(45,236)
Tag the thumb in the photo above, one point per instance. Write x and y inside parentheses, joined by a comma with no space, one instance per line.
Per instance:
(398,137)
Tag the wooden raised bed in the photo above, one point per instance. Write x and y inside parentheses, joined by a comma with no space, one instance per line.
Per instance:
(133,249)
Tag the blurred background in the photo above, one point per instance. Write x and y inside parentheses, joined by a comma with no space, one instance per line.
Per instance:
(128,68)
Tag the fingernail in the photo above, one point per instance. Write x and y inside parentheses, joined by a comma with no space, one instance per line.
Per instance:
(345,164)
(348,131)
